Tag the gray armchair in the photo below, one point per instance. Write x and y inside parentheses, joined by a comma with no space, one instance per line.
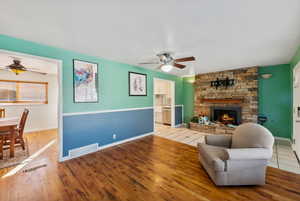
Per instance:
(240,159)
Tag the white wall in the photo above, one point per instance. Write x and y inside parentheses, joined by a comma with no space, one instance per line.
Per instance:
(41,116)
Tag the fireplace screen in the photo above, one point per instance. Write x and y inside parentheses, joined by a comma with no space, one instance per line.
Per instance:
(226,115)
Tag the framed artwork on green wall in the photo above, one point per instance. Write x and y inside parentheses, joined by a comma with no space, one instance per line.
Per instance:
(137,84)
(85,81)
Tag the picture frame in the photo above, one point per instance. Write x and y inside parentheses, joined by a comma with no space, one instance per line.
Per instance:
(137,84)
(85,81)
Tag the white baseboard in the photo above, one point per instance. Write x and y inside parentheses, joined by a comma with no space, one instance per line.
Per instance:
(65,158)
(283,139)
(123,141)
(179,125)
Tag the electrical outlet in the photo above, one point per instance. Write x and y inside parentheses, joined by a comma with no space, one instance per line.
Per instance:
(114,136)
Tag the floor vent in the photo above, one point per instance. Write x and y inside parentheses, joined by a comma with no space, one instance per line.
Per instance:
(34,168)
(83,150)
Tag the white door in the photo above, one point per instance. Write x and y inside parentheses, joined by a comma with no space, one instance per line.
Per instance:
(296,109)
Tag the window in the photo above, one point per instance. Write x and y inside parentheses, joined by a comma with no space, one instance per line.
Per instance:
(14,91)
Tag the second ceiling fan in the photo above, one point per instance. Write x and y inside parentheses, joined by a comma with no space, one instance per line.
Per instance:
(18,68)
(168,62)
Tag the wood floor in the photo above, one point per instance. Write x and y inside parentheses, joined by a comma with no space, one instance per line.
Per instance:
(149,169)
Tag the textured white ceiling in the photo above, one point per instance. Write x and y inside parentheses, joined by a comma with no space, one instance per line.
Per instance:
(221,34)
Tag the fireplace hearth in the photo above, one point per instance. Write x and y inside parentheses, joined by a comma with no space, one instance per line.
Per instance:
(226,115)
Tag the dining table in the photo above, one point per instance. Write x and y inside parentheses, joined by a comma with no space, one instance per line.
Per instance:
(8,127)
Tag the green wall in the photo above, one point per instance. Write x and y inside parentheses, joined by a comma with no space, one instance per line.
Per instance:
(113,77)
(275,99)
(188,98)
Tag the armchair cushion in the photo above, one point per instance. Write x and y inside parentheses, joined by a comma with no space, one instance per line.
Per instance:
(218,140)
(213,156)
(249,154)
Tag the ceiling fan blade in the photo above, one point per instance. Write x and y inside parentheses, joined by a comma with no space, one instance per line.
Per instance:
(185,59)
(179,65)
(29,68)
(149,63)
(36,72)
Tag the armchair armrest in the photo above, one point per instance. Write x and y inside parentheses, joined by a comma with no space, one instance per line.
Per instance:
(249,154)
(218,140)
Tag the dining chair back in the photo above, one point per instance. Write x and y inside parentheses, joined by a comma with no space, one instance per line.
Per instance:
(2,113)
(23,122)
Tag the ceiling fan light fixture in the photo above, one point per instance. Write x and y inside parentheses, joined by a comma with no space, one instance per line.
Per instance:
(17,71)
(166,67)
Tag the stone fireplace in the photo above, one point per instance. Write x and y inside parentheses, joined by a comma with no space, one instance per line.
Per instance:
(234,104)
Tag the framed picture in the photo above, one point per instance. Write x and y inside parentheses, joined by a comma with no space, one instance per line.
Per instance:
(137,84)
(85,81)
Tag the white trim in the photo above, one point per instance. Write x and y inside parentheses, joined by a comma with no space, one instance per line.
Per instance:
(178,125)
(60,111)
(106,111)
(173,112)
(59,64)
(84,150)
(283,139)
(109,145)
(294,97)
(123,141)
(296,145)
(20,104)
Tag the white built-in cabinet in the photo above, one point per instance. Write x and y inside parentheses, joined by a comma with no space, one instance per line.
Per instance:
(162,91)
(163,88)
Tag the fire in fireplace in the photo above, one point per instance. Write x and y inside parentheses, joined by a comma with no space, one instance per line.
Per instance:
(226,115)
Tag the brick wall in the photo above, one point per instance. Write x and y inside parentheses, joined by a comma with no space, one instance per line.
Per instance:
(245,87)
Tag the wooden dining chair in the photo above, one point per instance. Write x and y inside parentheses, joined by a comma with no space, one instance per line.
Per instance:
(2,113)
(19,139)
(1,146)
(7,137)
(20,131)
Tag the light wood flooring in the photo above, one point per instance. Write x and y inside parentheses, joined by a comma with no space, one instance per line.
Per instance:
(148,169)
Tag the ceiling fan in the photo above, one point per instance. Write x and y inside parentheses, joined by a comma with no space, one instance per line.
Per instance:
(167,61)
(18,68)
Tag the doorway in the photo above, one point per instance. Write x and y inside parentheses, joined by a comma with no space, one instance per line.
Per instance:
(296,109)
(37,89)
(164,103)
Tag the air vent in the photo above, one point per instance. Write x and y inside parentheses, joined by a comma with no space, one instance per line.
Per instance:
(34,168)
(83,150)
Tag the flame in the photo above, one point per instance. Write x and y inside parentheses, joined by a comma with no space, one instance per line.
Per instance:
(226,117)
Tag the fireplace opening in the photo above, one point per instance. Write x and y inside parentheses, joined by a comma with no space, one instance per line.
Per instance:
(226,115)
